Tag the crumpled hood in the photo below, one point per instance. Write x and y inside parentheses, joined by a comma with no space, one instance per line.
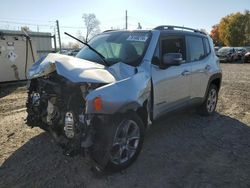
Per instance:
(79,70)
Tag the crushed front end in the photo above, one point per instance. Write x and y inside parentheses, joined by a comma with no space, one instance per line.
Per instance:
(57,105)
(57,92)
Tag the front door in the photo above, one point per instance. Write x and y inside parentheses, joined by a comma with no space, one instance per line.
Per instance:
(171,85)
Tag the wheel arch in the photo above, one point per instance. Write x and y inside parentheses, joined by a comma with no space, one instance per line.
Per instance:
(142,112)
(216,80)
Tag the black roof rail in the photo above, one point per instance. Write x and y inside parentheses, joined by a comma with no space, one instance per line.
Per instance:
(109,30)
(172,27)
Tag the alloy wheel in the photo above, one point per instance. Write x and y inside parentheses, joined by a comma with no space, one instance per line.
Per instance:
(126,142)
(211,100)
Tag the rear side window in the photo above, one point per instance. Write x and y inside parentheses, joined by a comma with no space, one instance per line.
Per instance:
(196,48)
(207,46)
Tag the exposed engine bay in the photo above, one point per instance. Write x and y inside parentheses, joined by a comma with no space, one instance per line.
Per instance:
(57,105)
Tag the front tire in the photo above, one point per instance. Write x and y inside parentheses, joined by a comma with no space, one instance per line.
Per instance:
(118,143)
(209,105)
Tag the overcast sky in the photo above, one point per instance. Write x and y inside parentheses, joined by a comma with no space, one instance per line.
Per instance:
(41,15)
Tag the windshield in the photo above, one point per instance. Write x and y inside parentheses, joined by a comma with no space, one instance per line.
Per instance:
(123,46)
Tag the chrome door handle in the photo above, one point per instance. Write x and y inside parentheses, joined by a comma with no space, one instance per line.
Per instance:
(185,73)
(208,67)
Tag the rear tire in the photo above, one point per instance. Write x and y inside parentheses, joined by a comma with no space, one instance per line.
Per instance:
(118,142)
(209,105)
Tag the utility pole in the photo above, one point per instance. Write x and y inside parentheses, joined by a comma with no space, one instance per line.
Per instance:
(139,26)
(126,19)
(59,37)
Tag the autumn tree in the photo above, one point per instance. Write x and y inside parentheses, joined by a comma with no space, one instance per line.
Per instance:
(92,25)
(215,35)
(223,29)
(236,29)
(247,28)
(233,30)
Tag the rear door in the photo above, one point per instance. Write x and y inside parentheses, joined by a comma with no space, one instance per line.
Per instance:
(171,85)
(199,59)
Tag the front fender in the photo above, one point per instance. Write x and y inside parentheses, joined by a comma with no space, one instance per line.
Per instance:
(126,94)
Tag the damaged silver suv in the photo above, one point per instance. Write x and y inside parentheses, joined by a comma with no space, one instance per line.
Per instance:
(102,101)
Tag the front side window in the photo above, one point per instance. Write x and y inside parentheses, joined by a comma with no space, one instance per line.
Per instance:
(173,44)
(196,48)
(127,47)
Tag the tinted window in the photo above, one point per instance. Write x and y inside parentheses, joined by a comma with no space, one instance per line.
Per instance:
(196,48)
(173,44)
(208,50)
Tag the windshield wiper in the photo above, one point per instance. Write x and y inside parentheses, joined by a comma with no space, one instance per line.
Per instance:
(100,55)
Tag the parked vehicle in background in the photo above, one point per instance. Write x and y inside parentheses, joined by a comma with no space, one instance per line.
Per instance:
(227,54)
(63,51)
(241,51)
(73,52)
(246,58)
(102,101)
(216,48)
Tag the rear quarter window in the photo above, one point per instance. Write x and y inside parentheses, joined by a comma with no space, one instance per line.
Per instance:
(207,46)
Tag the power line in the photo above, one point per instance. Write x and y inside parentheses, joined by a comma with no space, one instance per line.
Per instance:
(42,25)
(29,20)
(71,27)
(23,23)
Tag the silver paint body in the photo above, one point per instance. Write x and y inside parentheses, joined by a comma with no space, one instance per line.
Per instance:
(128,87)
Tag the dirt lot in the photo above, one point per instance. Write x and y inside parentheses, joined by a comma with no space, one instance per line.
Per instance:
(182,150)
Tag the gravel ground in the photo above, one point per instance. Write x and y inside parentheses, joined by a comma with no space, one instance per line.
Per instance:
(181,150)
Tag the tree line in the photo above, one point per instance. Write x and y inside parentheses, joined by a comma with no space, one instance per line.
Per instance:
(232,30)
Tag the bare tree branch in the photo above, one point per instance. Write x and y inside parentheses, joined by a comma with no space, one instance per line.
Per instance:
(92,25)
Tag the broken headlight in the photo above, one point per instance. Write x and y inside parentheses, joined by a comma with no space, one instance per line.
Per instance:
(88,87)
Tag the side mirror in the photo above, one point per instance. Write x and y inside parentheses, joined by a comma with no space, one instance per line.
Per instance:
(172,59)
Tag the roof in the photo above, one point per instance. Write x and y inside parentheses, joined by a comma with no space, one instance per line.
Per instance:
(167,29)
